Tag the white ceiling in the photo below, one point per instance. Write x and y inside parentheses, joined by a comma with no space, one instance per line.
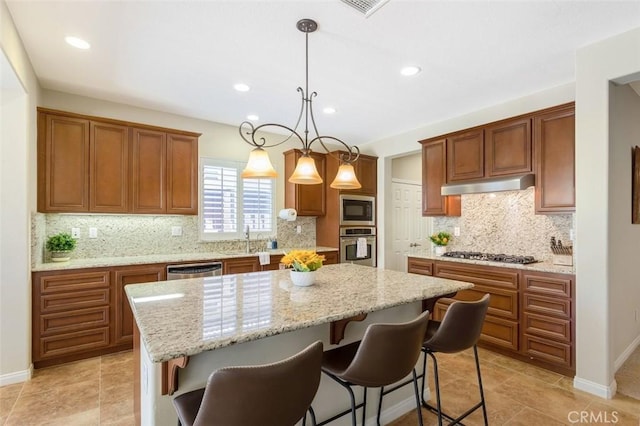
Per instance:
(184,57)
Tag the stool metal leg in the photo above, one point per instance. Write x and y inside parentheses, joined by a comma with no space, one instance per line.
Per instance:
(364,406)
(482,401)
(379,406)
(415,391)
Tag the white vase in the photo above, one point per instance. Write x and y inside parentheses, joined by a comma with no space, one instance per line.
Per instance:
(303,279)
(60,256)
(440,250)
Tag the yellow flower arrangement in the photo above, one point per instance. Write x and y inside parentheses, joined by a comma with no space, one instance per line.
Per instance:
(441,238)
(303,260)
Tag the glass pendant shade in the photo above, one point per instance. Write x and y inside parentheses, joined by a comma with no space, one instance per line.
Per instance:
(305,172)
(259,165)
(346,178)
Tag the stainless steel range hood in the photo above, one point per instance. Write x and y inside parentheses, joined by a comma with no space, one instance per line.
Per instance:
(511,183)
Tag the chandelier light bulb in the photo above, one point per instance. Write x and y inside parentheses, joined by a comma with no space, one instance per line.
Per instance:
(259,165)
(346,178)
(306,172)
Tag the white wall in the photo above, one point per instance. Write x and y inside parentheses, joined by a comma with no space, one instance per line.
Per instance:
(408,167)
(624,284)
(17,199)
(388,148)
(596,65)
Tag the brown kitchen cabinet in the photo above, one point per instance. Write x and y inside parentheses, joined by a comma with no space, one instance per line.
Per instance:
(71,315)
(531,314)
(508,148)
(548,328)
(308,200)
(554,145)
(330,257)
(274,263)
(465,156)
(99,165)
(123,324)
(434,175)
(366,168)
(63,163)
(241,265)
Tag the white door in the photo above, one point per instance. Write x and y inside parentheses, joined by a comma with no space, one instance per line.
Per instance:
(408,226)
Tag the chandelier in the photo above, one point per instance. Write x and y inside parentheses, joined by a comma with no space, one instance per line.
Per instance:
(305,173)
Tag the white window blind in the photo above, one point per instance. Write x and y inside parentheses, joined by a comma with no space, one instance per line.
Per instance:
(230,203)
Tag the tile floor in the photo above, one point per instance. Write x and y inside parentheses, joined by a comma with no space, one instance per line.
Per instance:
(99,391)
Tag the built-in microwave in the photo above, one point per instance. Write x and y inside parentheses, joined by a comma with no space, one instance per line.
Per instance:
(357,210)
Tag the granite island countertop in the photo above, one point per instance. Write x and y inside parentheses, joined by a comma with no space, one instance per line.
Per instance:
(187,317)
(99,262)
(538,266)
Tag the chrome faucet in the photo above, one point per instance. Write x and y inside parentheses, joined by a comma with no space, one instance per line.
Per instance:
(247,236)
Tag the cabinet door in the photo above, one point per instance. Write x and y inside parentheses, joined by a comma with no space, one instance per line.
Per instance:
(124,316)
(420,266)
(308,200)
(241,265)
(149,171)
(465,156)
(63,164)
(109,168)
(367,172)
(330,257)
(182,174)
(273,265)
(434,173)
(554,140)
(508,148)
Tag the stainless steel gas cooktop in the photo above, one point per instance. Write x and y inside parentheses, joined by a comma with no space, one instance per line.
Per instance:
(491,257)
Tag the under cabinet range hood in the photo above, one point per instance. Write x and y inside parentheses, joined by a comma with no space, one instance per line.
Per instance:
(510,183)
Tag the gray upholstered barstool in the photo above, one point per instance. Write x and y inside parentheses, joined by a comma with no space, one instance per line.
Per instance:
(386,354)
(277,394)
(459,330)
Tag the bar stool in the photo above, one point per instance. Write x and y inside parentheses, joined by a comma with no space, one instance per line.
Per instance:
(458,331)
(277,394)
(385,355)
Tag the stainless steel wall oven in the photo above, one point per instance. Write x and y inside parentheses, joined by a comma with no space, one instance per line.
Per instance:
(358,245)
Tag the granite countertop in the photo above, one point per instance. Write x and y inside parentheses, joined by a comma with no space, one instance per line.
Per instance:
(187,317)
(538,266)
(98,262)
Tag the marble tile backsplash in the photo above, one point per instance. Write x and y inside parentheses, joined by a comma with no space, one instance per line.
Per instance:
(131,235)
(505,222)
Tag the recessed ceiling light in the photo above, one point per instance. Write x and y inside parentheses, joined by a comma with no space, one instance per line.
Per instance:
(77,42)
(241,87)
(253,117)
(410,70)
(329,110)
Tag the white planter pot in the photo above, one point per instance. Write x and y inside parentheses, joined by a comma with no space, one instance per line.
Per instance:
(60,256)
(440,250)
(303,279)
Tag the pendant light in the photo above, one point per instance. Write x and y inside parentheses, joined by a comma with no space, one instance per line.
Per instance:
(305,173)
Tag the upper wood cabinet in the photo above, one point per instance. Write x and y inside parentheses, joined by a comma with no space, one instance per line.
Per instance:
(508,148)
(434,170)
(554,141)
(89,164)
(308,200)
(63,164)
(366,168)
(109,168)
(465,156)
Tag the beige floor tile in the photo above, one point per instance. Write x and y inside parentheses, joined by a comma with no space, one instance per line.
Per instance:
(527,369)
(8,396)
(116,393)
(116,411)
(47,379)
(124,421)
(11,391)
(528,417)
(600,412)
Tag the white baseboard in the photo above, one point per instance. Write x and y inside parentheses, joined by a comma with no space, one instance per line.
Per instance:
(16,377)
(593,388)
(626,353)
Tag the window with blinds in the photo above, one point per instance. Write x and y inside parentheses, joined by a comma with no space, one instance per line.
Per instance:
(230,203)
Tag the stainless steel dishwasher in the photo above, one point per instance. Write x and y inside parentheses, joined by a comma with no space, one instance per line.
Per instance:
(194,270)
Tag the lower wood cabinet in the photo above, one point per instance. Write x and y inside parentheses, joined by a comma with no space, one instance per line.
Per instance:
(531,314)
(123,315)
(240,265)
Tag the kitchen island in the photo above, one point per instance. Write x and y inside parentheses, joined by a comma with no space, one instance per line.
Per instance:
(208,323)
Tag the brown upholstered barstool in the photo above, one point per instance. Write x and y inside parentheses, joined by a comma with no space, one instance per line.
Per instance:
(459,330)
(277,394)
(385,355)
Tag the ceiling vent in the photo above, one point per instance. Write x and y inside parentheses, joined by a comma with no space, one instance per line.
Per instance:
(366,7)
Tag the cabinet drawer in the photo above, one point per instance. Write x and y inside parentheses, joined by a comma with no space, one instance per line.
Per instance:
(477,274)
(70,282)
(72,343)
(547,305)
(419,266)
(547,350)
(556,329)
(503,303)
(496,331)
(72,301)
(81,319)
(553,285)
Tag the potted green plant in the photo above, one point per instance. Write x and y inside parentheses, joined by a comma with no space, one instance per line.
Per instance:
(60,246)
(440,239)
